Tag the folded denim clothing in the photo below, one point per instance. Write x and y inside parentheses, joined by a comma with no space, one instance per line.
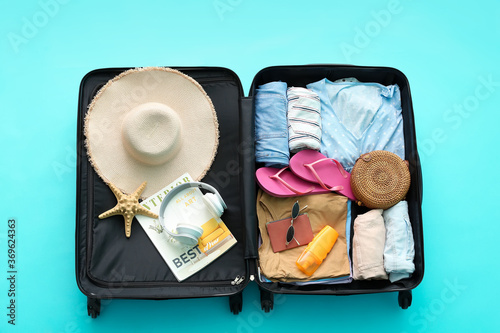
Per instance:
(399,250)
(368,246)
(271,131)
(304,119)
(359,117)
(322,209)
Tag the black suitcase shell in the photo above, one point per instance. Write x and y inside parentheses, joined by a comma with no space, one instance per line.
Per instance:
(109,265)
(300,76)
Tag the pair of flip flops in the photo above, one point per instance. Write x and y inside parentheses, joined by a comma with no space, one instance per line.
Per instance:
(309,172)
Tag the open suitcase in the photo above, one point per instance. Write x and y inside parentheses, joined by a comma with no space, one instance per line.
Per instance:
(112,267)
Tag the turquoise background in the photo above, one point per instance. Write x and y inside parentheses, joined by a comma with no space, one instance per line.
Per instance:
(449,51)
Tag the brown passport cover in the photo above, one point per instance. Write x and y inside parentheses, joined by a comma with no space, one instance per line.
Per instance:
(277,233)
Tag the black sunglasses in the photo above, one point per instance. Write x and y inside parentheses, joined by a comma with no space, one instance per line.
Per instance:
(290,233)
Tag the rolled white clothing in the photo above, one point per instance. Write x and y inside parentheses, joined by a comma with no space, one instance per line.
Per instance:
(304,119)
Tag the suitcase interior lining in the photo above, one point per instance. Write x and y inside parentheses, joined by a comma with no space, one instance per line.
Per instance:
(300,76)
(112,259)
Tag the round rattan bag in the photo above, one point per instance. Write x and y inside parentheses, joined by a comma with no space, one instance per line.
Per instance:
(380,179)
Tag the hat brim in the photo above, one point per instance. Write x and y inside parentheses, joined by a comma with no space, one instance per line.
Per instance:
(199,134)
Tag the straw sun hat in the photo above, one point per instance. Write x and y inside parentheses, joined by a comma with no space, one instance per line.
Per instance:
(151,124)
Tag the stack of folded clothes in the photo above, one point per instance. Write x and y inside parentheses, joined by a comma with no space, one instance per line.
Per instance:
(307,140)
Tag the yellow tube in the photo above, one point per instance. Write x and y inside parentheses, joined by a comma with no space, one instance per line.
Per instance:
(316,250)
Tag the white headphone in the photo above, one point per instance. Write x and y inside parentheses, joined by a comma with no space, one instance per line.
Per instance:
(186,233)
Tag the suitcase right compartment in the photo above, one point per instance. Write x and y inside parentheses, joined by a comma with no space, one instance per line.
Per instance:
(300,76)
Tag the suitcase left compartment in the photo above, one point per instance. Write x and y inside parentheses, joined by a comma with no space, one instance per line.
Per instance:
(148,134)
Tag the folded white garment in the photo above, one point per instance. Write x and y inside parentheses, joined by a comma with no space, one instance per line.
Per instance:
(368,246)
(304,119)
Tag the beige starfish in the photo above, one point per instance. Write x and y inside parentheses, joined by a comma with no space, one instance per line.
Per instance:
(128,206)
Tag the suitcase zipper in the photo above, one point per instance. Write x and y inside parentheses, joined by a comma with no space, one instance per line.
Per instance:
(218,79)
(90,216)
(237,281)
(212,79)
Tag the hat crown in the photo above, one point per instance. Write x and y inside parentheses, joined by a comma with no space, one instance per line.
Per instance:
(151,133)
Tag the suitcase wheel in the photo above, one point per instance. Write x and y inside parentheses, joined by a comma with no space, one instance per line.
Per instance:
(266,300)
(93,307)
(236,303)
(404,299)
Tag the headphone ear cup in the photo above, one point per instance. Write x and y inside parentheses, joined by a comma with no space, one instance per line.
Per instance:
(214,204)
(189,230)
(186,239)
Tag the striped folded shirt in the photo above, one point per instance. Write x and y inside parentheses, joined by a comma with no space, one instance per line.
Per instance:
(304,119)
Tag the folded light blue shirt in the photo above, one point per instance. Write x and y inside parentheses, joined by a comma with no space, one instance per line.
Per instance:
(271,129)
(358,118)
(399,250)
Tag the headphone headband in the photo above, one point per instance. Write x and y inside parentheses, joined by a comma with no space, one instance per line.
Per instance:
(188,234)
(184,186)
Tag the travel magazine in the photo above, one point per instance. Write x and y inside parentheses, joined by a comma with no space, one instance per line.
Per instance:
(186,206)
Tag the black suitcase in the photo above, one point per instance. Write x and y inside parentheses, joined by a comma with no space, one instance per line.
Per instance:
(113,269)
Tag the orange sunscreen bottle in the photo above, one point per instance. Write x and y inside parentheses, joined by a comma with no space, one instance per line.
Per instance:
(316,250)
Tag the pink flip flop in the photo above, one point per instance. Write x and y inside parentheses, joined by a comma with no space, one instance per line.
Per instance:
(312,166)
(283,183)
